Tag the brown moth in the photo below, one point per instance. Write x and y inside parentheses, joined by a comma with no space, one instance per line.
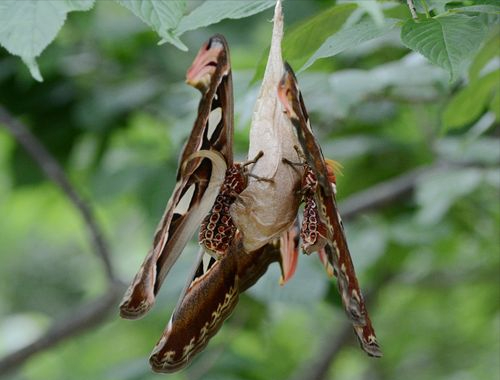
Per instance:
(198,178)
(334,241)
(208,183)
(265,209)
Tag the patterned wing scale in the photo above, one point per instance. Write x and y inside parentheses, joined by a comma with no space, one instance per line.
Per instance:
(208,183)
(217,229)
(336,249)
(198,179)
(208,302)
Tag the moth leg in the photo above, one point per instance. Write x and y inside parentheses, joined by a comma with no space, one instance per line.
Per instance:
(292,163)
(259,178)
(254,160)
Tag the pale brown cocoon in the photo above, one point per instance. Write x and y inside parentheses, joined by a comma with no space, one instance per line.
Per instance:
(267,208)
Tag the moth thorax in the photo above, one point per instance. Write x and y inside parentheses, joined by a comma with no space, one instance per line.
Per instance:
(309,181)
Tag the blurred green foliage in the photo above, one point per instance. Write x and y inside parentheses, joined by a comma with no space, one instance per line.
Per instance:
(113,109)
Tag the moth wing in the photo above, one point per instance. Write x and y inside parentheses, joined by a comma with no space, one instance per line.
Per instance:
(198,178)
(336,249)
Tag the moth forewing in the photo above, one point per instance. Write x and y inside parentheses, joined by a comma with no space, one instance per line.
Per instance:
(211,74)
(336,249)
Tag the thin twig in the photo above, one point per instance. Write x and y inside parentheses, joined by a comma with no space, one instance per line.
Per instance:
(54,172)
(413,10)
(384,193)
(97,311)
(83,319)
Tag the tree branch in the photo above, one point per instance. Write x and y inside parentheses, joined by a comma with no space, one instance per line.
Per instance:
(384,193)
(54,172)
(83,319)
(413,10)
(95,312)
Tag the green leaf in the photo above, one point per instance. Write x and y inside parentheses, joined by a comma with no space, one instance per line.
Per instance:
(495,104)
(448,41)
(467,105)
(211,12)
(348,37)
(374,9)
(162,16)
(305,38)
(488,51)
(437,5)
(485,8)
(27,27)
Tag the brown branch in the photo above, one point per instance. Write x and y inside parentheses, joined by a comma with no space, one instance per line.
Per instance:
(54,172)
(83,319)
(384,193)
(87,316)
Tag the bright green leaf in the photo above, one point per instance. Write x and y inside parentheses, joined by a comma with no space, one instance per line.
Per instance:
(489,50)
(448,41)
(485,8)
(304,39)
(469,103)
(348,37)
(437,5)
(374,9)
(495,104)
(27,27)
(211,12)
(162,16)
(33,68)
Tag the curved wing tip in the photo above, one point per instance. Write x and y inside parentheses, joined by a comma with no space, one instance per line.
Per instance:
(159,366)
(126,312)
(373,351)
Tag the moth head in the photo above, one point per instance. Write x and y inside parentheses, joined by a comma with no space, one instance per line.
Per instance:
(287,87)
(205,64)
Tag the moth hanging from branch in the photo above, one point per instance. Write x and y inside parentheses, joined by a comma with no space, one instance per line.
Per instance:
(208,182)
(322,227)
(246,212)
